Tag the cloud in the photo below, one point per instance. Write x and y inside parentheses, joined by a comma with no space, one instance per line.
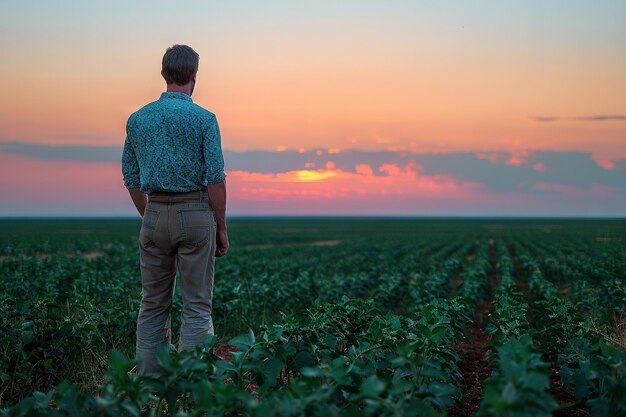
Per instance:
(545,119)
(66,153)
(497,171)
(602,117)
(594,118)
(606,164)
(87,181)
(339,184)
(363,169)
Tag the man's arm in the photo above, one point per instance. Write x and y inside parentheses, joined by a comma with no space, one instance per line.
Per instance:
(216,179)
(217,197)
(139,199)
(130,172)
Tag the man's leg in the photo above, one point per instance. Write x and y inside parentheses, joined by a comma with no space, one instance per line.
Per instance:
(196,263)
(158,278)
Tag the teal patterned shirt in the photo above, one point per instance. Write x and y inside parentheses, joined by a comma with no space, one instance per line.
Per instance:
(172,144)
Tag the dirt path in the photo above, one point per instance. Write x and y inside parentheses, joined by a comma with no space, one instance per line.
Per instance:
(474,353)
(474,364)
(456,280)
(561,394)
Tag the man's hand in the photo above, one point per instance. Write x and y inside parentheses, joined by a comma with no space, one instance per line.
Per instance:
(222,243)
(217,197)
(139,199)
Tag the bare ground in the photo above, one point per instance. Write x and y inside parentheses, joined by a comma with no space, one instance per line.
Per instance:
(474,353)
(562,395)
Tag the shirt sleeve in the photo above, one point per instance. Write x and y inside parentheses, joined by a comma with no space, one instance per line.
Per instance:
(130,166)
(213,157)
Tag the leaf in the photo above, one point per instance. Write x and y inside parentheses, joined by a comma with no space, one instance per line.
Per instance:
(330,341)
(437,334)
(509,393)
(119,363)
(164,358)
(26,337)
(376,331)
(202,394)
(131,408)
(395,323)
(243,342)
(210,342)
(224,367)
(372,387)
(43,399)
(271,369)
(304,358)
(443,393)
(311,372)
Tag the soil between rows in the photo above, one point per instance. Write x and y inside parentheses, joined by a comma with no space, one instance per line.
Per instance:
(562,395)
(474,364)
(474,354)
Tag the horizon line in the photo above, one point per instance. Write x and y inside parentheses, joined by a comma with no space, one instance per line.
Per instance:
(338,217)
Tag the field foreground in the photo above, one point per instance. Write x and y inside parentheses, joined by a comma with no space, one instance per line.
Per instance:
(326,317)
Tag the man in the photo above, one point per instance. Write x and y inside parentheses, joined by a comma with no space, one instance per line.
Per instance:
(173,168)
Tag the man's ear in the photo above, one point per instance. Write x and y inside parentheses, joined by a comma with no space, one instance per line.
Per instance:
(162,74)
(192,77)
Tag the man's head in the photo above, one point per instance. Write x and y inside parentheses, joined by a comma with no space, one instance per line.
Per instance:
(180,65)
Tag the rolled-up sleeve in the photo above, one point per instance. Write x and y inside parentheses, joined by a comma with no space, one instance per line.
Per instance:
(213,157)
(130,166)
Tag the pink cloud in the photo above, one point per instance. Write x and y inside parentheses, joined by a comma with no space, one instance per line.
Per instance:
(336,183)
(364,169)
(606,164)
(39,186)
(389,169)
(515,161)
(539,167)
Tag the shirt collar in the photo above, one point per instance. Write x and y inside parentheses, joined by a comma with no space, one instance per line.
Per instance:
(173,94)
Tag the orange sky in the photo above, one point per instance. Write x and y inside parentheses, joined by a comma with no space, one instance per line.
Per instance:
(422,109)
(420,78)
(427,77)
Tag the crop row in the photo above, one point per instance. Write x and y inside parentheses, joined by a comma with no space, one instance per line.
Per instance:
(60,315)
(520,379)
(389,349)
(342,359)
(594,369)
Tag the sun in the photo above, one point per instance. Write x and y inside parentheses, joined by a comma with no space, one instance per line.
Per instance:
(311,176)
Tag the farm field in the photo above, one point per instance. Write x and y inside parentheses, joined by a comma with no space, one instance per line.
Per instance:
(326,317)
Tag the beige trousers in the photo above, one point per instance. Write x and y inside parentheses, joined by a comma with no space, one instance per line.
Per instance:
(177,233)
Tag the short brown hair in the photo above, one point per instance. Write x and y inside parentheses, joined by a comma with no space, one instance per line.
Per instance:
(179,62)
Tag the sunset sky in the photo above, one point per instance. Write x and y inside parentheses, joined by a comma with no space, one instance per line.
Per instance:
(507,108)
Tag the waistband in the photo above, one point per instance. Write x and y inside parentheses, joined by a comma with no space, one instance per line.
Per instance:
(167,197)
